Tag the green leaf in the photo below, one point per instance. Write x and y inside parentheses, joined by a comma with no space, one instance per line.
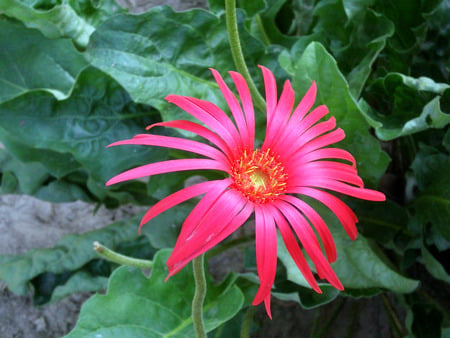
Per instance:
(153,307)
(316,64)
(303,294)
(28,61)
(70,253)
(432,204)
(79,282)
(162,231)
(67,19)
(434,266)
(77,130)
(18,177)
(360,266)
(355,34)
(404,105)
(163,52)
(380,221)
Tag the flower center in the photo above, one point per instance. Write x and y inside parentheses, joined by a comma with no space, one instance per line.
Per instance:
(259,176)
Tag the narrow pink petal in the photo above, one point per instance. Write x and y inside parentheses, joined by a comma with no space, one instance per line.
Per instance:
(201,110)
(270,86)
(293,132)
(181,196)
(317,222)
(305,105)
(167,167)
(267,305)
(226,215)
(175,143)
(294,250)
(266,252)
(234,106)
(294,143)
(320,177)
(307,238)
(247,104)
(343,188)
(282,113)
(196,129)
(324,153)
(345,215)
(314,144)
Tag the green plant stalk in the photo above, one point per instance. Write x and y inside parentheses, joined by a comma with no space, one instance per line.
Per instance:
(118,258)
(199,295)
(238,56)
(247,322)
(395,322)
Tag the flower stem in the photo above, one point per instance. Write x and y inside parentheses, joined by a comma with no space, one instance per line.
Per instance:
(247,322)
(115,257)
(238,56)
(199,296)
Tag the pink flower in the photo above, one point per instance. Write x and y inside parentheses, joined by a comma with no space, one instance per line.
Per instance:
(294,160)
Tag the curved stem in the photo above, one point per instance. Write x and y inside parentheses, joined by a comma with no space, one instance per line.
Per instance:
(238,56)
(247,322)
(115,257)
(199,296)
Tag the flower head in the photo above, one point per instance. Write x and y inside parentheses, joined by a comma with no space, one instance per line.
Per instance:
(293,161)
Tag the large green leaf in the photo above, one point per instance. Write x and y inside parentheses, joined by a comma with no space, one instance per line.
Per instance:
(163,52)
(355,34)
(137,306)
(69,137)
(69,254)
(28,60)
(403,105)
(362,270)
(432,204)
(316,64)
(68,19)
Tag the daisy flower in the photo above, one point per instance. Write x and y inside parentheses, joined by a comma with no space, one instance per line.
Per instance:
(294,160)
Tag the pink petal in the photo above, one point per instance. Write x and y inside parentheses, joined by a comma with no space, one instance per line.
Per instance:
(294,249)
(320,154)
(345,215)
(226,215)
(210,115)
(270,86)
(167,167)
(320,177)
(320,142)
(235,108)
(266,252)
(296,143)
(181,196)
(305,105)
(267,305)
(196,129)
(330,184)
(296,131)
(175,143)
(308,240)
(282,113)
(317,222)
(246,100)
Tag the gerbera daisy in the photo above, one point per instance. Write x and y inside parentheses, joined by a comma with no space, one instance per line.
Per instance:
(293,161)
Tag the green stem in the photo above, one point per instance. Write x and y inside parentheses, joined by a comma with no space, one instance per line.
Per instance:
(399,331)
(238,56)
(115,257)
(199,296)
(262,30)
(247,322)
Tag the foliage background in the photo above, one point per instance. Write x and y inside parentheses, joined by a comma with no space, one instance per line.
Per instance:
(78,75)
